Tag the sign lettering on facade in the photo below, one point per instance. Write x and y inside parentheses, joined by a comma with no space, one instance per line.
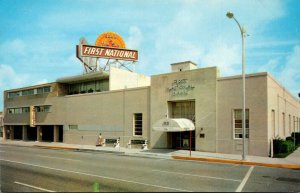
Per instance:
(180,87)
(107,52)
(32,120)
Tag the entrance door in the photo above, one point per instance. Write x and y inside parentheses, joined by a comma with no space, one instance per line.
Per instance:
(181,140)
(47,133)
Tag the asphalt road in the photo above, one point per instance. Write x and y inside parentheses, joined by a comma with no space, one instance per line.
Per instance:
(29,169)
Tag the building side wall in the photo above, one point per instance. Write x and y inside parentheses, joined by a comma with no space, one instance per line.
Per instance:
(286,110)
(197,85)
(109,113)
(230,98)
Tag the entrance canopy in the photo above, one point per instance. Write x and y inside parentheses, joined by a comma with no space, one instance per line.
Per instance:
(173,125)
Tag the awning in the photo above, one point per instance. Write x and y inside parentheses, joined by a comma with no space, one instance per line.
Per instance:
(173,125)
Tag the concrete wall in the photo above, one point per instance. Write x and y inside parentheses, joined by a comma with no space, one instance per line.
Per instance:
(284,105)
(199,85)
(230,98)
(110,113)
(54,117)
(122,79)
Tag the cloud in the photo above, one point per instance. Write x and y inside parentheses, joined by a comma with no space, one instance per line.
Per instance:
(226,57)
(13,48)
(271,65)
(273,43)
(43,81)
(10,79)
(290,75)
(200,31)
(135,38)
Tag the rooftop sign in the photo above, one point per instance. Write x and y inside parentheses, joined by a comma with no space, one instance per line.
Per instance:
(110,39)
(108,52)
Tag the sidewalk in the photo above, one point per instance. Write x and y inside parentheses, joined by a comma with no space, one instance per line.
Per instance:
(291,162)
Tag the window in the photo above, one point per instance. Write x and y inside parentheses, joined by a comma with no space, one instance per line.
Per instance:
(290,124)
(25,109)
(13,94)
(11,111)
(273,122)
(283,123)
(138,124)
(298,119)
(45,108)
(237,123)
(42,90)
(294,123)
(16,110)
(27,92)
(47,89)
(185,109)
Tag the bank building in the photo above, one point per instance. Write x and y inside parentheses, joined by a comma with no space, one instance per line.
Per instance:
(189,107)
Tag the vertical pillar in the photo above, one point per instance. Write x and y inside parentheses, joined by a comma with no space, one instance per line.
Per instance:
(11,132)
(24,133)
(56,133)
(39,133)
(4,132)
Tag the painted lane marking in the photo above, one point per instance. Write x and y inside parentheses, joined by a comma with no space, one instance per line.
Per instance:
(198,175)
(93,175)
(56,158)
(34,187)
(243,183)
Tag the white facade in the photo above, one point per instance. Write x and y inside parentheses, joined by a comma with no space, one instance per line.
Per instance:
(125,105)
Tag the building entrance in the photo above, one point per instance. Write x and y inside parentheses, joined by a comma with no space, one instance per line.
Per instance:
(182,140)
(47,133)
(18,132)
(31,133)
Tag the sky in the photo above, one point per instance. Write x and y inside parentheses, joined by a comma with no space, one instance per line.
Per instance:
(38,37)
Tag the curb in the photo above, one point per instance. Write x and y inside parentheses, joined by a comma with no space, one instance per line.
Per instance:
(56,147)
(76,149)
(286,166)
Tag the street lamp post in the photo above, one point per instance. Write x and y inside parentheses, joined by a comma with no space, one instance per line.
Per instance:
(296,121)
(243,34)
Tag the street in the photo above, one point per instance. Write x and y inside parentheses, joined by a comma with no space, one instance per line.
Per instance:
(31,169)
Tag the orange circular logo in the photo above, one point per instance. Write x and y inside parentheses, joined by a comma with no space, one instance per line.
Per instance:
(110,39)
